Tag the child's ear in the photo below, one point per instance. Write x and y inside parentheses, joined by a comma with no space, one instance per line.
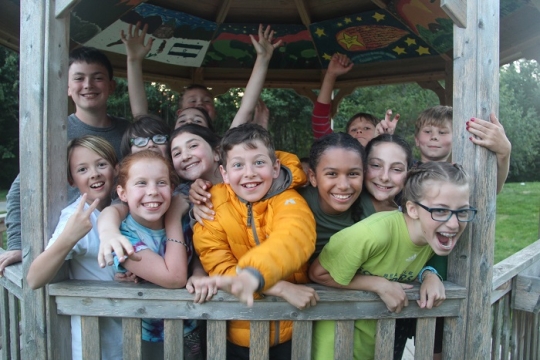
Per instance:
(276,169)
(216,157)
(121,193)
(312,178)
(116,169)
(412,210)
(224,174)
(416,141)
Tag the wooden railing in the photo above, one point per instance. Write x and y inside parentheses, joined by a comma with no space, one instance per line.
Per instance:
(515,314)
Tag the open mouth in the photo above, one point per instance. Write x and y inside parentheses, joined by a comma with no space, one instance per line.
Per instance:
(341,197)
(446,240)
(89,96)
(191,165)
(250,185)
(97,185)
(383,188)
(151,205)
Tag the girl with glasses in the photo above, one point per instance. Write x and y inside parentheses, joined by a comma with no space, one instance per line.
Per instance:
(147,132)
(393,246)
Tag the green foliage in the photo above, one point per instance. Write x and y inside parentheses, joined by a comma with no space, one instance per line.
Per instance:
(9,116)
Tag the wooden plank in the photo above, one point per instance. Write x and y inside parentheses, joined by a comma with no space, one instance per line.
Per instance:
(60,333)
(384,339)
(449,82)
(515,264)
(31,115)
(436,87)
(526,294)
(132,340)
(63,7)
(301,340)
(223,11)
(237,311)
(425,335)
(174,339)
(507,323)
(15,340)
(497,332)
(259,340)
(91,346)
(501,291)
(344,340)
(4,325)
(303,11)
(457,10)
(476,61)
(216,335)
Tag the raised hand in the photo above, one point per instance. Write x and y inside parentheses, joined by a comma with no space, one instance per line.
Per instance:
(340,64)
(136,49)
(388,125)
(489,134)
(264,46)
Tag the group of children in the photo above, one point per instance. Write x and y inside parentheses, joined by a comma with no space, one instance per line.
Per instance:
(198,211)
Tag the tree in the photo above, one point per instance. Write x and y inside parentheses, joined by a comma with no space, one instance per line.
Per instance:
(9,116)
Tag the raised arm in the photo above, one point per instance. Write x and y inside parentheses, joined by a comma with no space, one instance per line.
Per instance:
(136,51)
(320,121)
(46,265)
(491,135)
(264,49)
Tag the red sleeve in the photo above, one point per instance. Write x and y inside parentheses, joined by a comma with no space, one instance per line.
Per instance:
(320,120)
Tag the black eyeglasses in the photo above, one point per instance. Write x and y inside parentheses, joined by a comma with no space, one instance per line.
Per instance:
(443,215)
(143,141)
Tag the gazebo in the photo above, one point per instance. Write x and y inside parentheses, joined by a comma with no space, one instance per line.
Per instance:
(490,312)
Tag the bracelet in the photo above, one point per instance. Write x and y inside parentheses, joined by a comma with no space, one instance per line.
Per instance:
(430,269)
(179,242)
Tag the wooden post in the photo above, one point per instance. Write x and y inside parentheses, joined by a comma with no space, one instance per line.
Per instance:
(476,93)
(43,109)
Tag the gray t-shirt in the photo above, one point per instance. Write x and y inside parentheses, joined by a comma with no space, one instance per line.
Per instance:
(75,128)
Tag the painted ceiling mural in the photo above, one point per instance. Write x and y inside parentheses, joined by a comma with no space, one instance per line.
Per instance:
(405,29)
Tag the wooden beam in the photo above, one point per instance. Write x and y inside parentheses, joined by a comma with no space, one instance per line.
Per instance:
(476,93)
(64,6)
(383,4)
(456,9)
(449,83)
(436,87)
(303,12)
(223,11)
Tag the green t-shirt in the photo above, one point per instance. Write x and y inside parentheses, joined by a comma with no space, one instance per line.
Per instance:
(327,224)
(379,245)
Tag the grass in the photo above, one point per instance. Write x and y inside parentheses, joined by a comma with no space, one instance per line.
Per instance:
(517,218)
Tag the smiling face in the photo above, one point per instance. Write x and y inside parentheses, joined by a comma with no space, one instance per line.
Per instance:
(435,142)
(197,97)
(338,179)
(362,130)
(250,172)
(89,86)
(190,116)
(147,192)
(440,236)
(193,158)
(92,175)
(386,171)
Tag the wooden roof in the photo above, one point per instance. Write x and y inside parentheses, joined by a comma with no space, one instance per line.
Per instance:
(206,41)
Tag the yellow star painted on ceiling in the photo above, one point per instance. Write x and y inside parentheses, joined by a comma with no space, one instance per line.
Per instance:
(399,50)
(422,50)
(326,56)
(358,18)
(320,32)
(379,17)
(339,24)
(410,41)
(350,41)
(347,20)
